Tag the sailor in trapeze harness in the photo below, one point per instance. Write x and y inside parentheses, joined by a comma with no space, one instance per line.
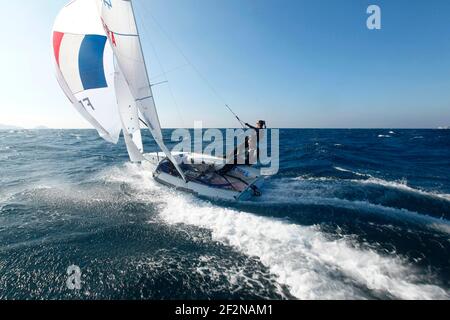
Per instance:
(250,149)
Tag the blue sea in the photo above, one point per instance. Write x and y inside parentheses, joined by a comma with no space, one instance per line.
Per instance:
(352,214)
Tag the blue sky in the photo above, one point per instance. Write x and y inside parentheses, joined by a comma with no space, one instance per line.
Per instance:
(296,63)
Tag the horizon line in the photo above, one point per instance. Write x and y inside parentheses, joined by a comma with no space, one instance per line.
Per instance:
(283,128)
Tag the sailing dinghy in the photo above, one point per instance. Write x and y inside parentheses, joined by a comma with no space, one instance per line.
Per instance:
(100,66)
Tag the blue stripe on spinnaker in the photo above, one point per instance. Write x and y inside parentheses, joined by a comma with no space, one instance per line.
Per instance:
(90,61)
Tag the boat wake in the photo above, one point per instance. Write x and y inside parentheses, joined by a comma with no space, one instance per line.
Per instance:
(304,258)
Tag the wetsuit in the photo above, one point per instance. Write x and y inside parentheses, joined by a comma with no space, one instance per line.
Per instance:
(230,166)
(247,145)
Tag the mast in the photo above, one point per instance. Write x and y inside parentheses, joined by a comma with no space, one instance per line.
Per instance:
(120,24)
(162,145)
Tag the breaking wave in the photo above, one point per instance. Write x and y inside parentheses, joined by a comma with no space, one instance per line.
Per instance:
(400,185)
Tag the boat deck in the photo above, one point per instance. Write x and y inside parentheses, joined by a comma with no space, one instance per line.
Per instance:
(206,175)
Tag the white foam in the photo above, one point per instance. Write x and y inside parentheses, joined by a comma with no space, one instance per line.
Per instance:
(302,257)
(76,136)
(5,153)
(384,136)
(353,172)
(312,266)
(402,185)
(313,191)
(364,207)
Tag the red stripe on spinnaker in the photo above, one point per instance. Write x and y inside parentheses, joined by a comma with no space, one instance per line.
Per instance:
(57,39)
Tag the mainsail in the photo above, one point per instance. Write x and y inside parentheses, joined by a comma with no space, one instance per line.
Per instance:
(120,26)
(85,66)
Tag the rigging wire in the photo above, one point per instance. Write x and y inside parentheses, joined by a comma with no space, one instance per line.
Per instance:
(168,71)
(143,122)
(236,116)
(205,80)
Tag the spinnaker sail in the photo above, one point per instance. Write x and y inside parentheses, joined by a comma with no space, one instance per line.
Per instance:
(120,26)
(85,66)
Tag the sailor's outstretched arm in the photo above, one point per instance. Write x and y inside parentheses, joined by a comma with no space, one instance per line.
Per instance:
(250,126)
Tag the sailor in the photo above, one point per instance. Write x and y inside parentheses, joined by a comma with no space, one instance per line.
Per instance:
(251,148)
(252,145)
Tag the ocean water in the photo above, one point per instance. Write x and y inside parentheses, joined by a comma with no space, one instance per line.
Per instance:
(352,214)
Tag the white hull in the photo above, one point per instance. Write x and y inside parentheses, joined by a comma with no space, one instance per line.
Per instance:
(244,181)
